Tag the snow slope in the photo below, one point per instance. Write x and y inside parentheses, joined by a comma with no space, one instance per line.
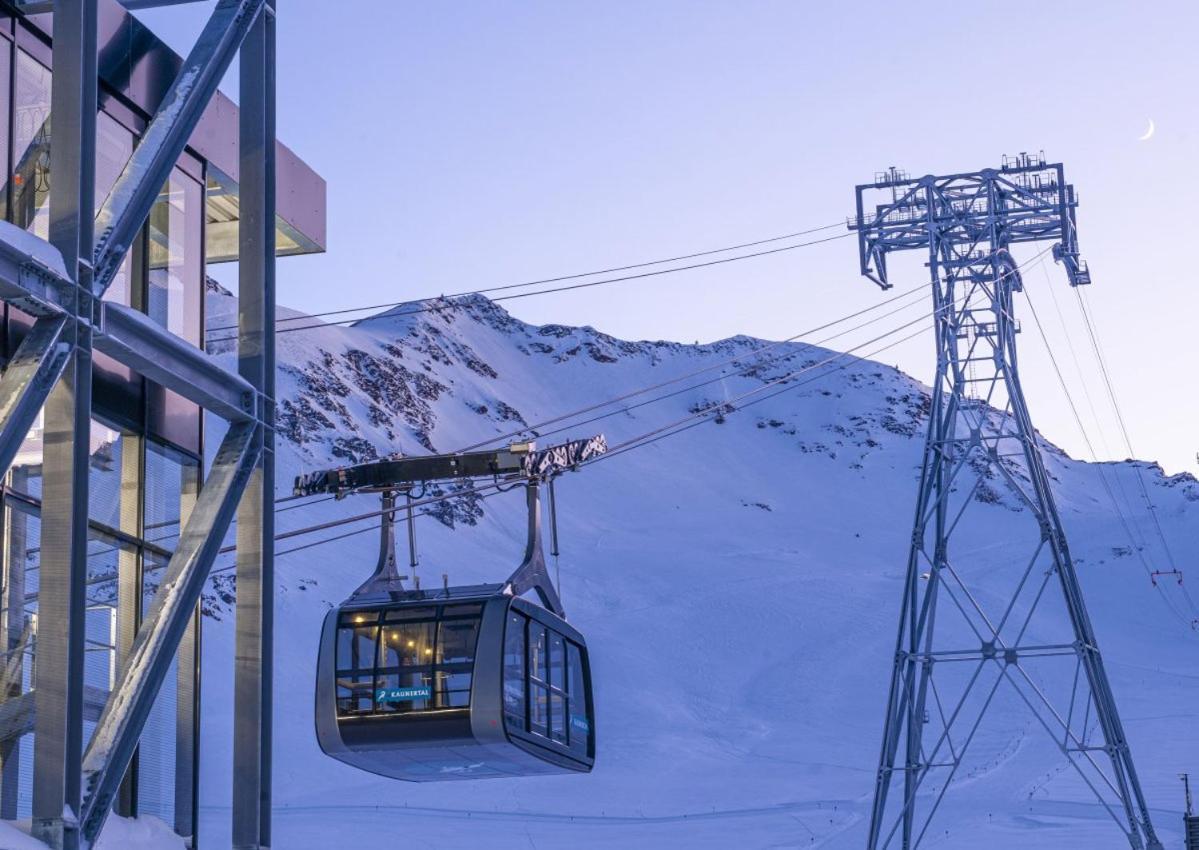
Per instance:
(738,584)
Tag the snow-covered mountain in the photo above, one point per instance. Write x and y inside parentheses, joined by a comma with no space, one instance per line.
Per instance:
(738,584)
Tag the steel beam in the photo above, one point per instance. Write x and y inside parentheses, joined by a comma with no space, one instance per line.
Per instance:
(153,4)
(33,275)
(34,7)
(252,697)
(135,191)
(124,717)
(58,671)
(126,335)
(132,338)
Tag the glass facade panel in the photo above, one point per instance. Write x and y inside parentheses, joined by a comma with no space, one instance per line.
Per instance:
(5,104)
(110,467)
(25,475)
(171,479)
(175,282)
(163,275)
(31,145)
(156,749)
(114,146)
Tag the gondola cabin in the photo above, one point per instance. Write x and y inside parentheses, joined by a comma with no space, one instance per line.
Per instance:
(463,682)
(471,684)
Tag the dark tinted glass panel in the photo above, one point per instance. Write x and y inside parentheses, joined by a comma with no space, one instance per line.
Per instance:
(456,641)
(355,694)
(557,663)
(578,720)
(558,717)
(410,614)
(421,664)
(461,611)
(538,650)
(356,648)
(514,671)
(407,645)
(455,661)
(539,709)
(172,417)
(5,56)
(453,687)
(358,618)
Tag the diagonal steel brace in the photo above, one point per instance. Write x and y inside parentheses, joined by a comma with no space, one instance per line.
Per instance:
(120,726)
(133,195)
(33,371)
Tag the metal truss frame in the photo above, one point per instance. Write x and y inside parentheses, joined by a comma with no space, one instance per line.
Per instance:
(74,790)
(952,658)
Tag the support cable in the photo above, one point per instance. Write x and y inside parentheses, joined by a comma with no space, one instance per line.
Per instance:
(1093,333)
(761,349)
(458,305)
(561,278)
(1094,456)
(498,486)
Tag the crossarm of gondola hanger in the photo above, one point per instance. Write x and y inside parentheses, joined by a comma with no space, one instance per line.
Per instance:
(519,460)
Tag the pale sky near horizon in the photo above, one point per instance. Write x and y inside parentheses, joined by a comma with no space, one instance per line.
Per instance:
(475,144)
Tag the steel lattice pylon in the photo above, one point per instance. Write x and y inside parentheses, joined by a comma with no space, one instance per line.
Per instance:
(991,637)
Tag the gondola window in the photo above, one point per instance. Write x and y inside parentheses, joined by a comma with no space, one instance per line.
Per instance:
(514,671)
(418,660)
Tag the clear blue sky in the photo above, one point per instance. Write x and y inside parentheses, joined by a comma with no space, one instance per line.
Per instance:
(471,144)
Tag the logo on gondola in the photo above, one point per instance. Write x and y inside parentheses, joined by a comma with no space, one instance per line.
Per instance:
(402,694)
(580,723)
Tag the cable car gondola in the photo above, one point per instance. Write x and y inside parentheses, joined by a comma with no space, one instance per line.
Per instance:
(465,682)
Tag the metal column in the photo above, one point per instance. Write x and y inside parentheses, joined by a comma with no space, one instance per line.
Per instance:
(187,691)
(58,673)
(130,588)
(256,363)
(15,636)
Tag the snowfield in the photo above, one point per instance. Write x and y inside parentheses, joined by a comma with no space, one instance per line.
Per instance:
(738,584)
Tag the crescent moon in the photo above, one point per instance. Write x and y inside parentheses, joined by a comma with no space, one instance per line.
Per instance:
(1148,133)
